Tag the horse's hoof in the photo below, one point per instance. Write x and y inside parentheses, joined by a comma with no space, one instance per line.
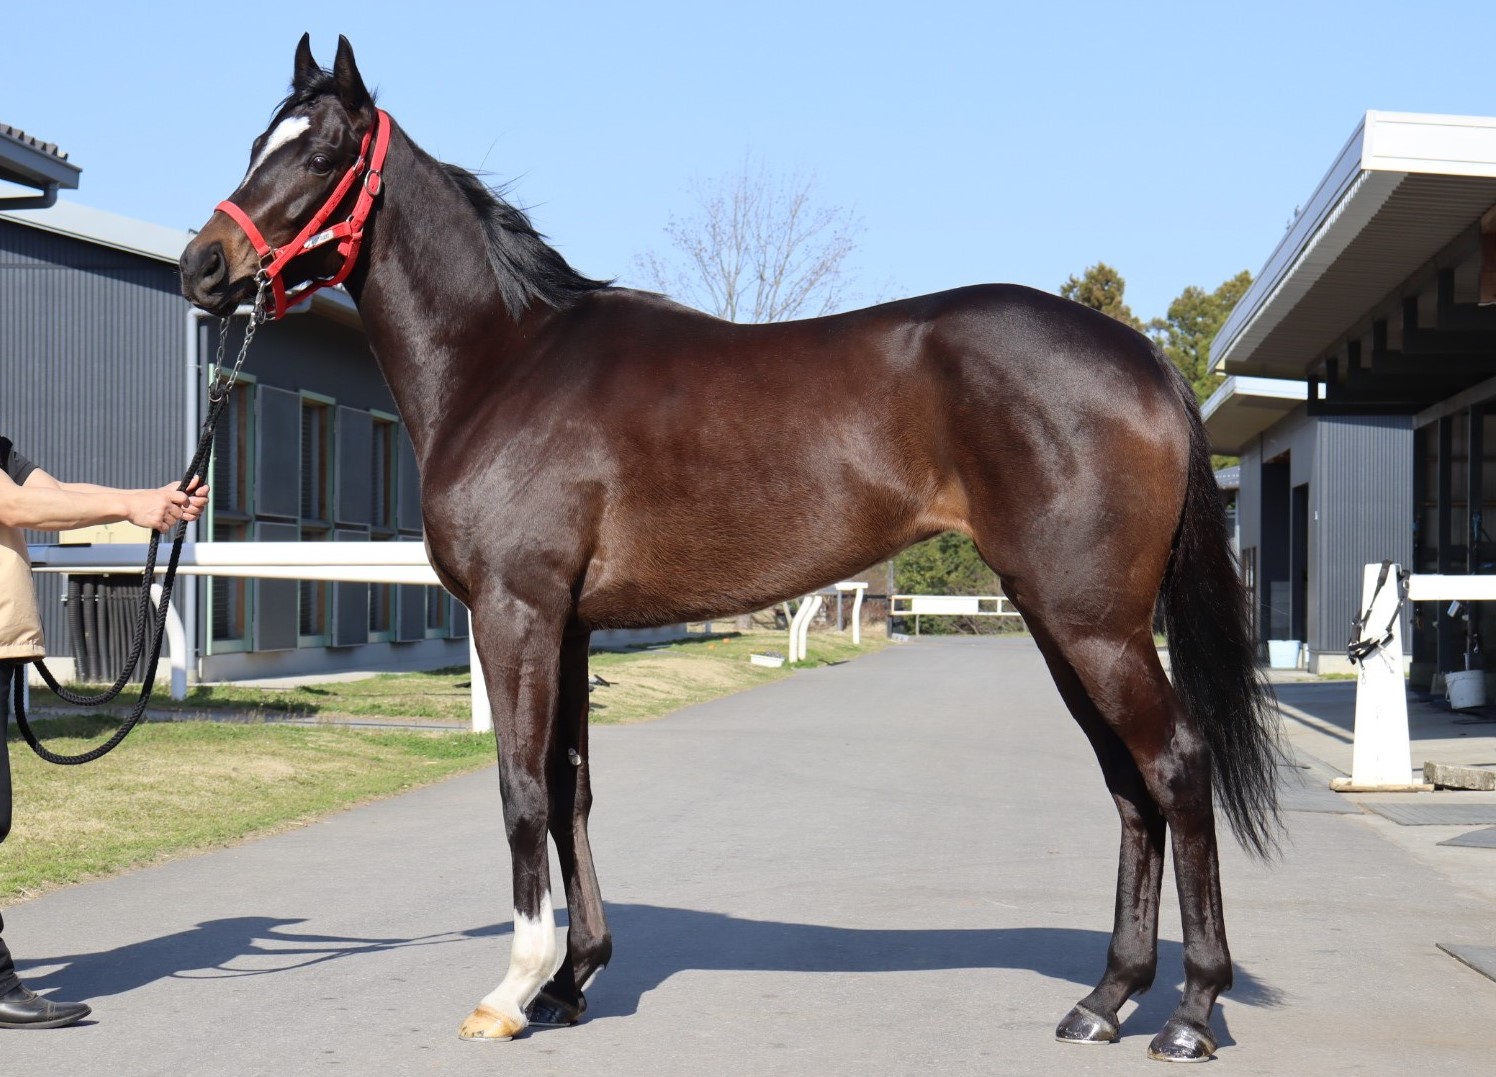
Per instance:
(1083,1026)
(487,1024)
(551,1011)
(1182,1042)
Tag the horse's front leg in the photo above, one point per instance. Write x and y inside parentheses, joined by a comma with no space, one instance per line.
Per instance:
(588,943)
(519,646)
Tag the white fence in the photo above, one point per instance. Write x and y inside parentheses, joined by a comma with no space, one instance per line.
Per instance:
(339,562)
(950,606)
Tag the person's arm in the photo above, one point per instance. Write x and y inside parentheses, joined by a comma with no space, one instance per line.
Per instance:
(44,504)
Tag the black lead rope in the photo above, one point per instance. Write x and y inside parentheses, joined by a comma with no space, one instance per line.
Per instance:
(198,468)
(1358,649)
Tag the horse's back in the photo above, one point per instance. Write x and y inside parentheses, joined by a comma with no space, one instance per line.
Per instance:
(749,463)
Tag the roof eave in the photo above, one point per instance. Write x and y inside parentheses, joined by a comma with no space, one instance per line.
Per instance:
(23,164)
(1327,195)
(1384,150)
(1242,408)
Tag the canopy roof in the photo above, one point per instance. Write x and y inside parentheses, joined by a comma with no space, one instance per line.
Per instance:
(1243,407)
(1402,202)
(33,163)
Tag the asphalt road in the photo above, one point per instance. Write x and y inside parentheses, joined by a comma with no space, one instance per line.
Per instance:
(901,865)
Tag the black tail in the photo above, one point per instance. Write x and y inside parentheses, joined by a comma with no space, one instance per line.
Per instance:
(1213,654)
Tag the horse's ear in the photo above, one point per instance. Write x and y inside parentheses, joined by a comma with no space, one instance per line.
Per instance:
(350,83)
(307,68)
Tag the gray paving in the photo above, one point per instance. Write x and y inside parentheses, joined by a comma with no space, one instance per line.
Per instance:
(1476,839)
(900,865)
(1414,814)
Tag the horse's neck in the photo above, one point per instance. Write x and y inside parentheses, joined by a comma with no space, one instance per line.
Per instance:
(427,295)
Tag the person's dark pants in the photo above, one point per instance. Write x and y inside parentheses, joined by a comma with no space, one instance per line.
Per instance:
(8,977)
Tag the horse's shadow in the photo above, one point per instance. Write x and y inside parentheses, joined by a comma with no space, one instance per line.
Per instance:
(653,944)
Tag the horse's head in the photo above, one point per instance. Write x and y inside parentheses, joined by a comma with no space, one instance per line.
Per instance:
(295,167)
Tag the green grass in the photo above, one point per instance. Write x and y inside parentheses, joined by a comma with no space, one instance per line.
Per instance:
(174,787)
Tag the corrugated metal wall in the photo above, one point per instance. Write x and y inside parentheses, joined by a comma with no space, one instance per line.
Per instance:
(1360,477)
(1364,469)
(91,365)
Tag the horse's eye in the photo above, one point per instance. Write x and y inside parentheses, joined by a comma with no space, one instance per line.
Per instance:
(320,164)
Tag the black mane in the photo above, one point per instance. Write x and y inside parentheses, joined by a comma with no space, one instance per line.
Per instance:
(526,267)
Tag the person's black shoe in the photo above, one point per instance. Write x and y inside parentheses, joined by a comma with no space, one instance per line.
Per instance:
(20,1008)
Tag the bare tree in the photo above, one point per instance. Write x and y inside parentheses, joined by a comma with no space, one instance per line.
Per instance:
(756,248)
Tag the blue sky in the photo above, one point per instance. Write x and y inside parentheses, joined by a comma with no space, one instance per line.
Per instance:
(975,141)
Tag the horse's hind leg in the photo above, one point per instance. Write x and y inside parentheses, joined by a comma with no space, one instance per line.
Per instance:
(1125,683)
(1132,957)
(588,944)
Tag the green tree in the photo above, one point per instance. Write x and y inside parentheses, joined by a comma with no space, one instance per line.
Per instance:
(947,564)
(1102,288)
(1194,318)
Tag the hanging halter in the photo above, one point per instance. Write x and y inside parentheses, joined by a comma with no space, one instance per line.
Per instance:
(348,234)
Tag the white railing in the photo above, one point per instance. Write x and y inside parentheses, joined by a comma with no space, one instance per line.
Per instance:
(339,562)
(950,606)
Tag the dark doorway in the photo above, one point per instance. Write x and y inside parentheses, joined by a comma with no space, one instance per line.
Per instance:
(1276,610)
(1299,564)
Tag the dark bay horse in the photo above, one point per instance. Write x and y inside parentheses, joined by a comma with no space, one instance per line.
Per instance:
(596,457)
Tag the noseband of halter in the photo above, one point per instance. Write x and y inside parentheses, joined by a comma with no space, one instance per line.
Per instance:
(349,234)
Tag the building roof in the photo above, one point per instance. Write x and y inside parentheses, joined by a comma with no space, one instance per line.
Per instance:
(1404,187)
(34,163)
(149,240)
(1243,407)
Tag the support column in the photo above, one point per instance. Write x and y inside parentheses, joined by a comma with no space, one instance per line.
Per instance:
(1474,476)
(1445,659)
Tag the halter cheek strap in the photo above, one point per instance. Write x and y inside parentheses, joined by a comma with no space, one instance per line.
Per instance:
(348,234)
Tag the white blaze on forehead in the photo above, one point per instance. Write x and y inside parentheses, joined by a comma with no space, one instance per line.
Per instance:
(292,127)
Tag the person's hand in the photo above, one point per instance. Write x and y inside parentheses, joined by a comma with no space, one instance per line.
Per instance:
(197,498)
(162,508)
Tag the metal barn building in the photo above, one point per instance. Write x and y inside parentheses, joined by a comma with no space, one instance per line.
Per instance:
(104,366)
(1374,439)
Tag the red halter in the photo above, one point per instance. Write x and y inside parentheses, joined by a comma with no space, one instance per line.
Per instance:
(349,233)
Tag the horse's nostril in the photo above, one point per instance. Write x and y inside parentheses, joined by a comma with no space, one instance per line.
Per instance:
(213,267)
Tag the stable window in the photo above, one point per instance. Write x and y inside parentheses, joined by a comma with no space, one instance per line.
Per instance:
(230,513)
(314,597)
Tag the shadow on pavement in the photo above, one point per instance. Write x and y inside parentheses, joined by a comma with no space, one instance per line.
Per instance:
(216,949)
(652,944)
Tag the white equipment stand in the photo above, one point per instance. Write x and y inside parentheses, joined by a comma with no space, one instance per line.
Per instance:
(1381,760)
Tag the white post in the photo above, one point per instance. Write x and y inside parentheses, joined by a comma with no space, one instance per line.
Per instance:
(1381,759)
(482,712)
(858,588)
(800,626)
(795,629)
(176,642)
